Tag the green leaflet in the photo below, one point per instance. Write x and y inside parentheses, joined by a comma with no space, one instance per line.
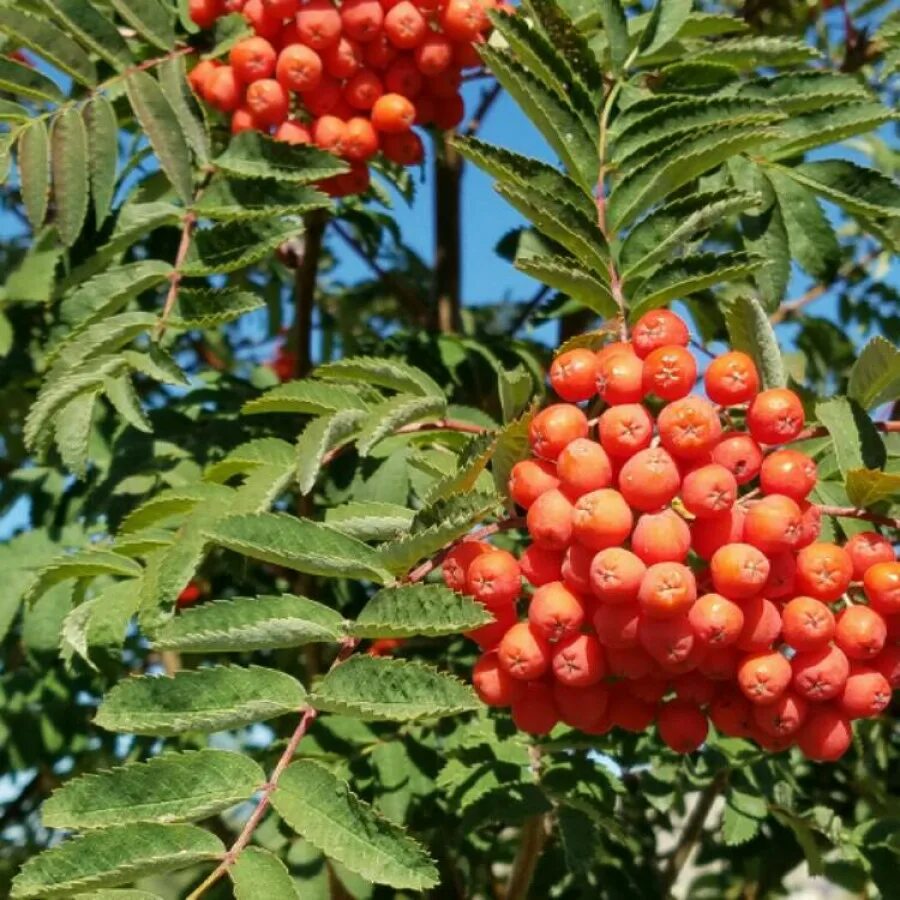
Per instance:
(308,396)
(72,430)
(319,437)
(250,456)
(69,164)
(24,81)
(426,609)
(173,81)
(666,20)
(391,690)
(93,29)
(176,787)
(34,171)
(857,443)
(161,125)
(387,373)
(387,417)
(298,544)
(329,816)
(751,331)
(473,460)
(212,699)
(254,155)
(103,146)
(616,28)
(370,520)
(875,377)
(250,623)
(83,564)
(258,873)
(113,856)
(562,273)
(209,308)
(866,487)
(230,246)
(151,19)
(228,199)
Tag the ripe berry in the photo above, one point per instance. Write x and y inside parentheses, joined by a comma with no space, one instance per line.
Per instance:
(762,625)
(616,625)
(462,20)
(549,520)
(329,133)
(860,632)
(601,519)
(363,90)
(709,490)
(190,595)
(708,535)
(866,694)
(824,571)
(669,372)
(342,59)
(299,68)
(433,56)
(740,454)
(670,641)
(826,735)
(661,537)
(632,663)
(405,26)
(731,712)
(583,466)
(578,660)
(268,101)
(620,379)
(555,427)
(788,472)
(658,328)
(405,149)
(292,131)
(775,416)
(667,590)
(223,90)
(493,684)
(361,19)
(626,429)
(535,711)
(529,479)
(324,98)
(882,586)
(731,379)
(494,578)
(379,53)
(523,652)
(402,77)
(689,428)
(888,663)
(782,576)
(261,20)
(764,677)
(616,575)
(716,620)
(629,712)
(541,566)
(204,13)
(576,569)
(488,636)
(866,549)
(455,566)
(448,113)
(252,58)
(581,707)
(574,375)
(719,663)
(739,571)
(807,623)
(820,674)
(319,24)
(682,726)
(555,612)
(773,524)
(692,687)
(244,120)
(783,717)
(650,479)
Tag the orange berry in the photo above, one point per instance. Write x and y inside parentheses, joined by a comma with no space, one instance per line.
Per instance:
(455,566)
(649,479)
(788,472)
(223,90)
(488,636)
(866,694)
(555,427)
(630,713)
(773,524)
(325,98)
(583,466)
(633,663)
(661,537)
(716,620)
(782,576)
(555,612)
(292,131)
(807,623)
(882,586)
(494,578)
(783,717)
(576,568)
(668,589)
(820,674)
(529,478)
(434,55)
(824,571)
(867,548)
(260,18)
(581,707)
(764,677)
(203,13)
(709,491)
(363,90)
(670,642)
(762,625)
(574,375)
(731,712)
(361,19)
(731,379)
(541,566)
(616,575)
(535,711)
(826,734)
(379,53)
(402,77)
(281,9)
(601,519)
(775,416)
(405,149)
(578,660)
(708,535)
(299,68)
(888,663)
(252,58)
(658,328)
(493,684)
(620,379)
(360,140)
(625,429)
(549,520)
(268,101)
(669,372)
(616,625)
(343,59)
(243,120)
(405,26)
(319,24)
(860,632)
(738,571)
(329,133)
(740,454)
(689,428)
(812,523)
(201,74)
(463,20)
(523,652)
(719,663)
(682,726)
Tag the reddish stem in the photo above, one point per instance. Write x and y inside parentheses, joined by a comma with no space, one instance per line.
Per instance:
(892,427)
(851,512)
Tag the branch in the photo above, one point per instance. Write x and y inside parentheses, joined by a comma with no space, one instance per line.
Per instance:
(184,245)
(693,829)
(891,427)
(532,839)
(526,311)
(852,512)
(305,278)
(488,98)
(448,166)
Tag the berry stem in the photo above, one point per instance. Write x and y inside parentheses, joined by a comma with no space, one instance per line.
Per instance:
(852,512)
(890,427)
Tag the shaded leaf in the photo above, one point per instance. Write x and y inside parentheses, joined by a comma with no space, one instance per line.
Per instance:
(857,443)
(150,19)
(173,81)
(251,154)
(235,245)
(72,430)
(310,397)
(751,331)
(93,30)
(25,81)
(391,415)
(319,437)
(666,20)
(209,308)
(34,171)
(616,28)
(875,376)
(230,200)
(258,873)
(103,145)
(69,163)
(388,373)
(370,520)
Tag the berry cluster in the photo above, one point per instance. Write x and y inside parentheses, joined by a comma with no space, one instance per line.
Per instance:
(351,78)
(676,564)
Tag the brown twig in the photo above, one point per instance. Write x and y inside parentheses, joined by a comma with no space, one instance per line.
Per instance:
(447,301)
(488,98)
(188,223)
(305,279)
(852,512)
(532,838)
(891,427)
